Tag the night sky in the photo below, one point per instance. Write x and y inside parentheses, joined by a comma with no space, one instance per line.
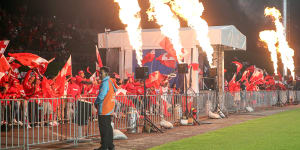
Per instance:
(246,15)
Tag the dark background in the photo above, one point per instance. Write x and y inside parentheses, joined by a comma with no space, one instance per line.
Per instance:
(246,15)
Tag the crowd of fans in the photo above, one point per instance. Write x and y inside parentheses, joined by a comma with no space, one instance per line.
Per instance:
(34,91)
(37,34)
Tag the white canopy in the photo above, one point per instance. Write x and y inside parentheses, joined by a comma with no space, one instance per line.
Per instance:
(228,36)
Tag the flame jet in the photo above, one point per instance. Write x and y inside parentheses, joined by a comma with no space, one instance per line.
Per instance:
(191,11)
(286,52)
(129,14)
(168,22)
(270,38)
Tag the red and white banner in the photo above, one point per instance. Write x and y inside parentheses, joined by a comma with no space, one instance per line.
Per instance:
(60,79)
(99,58)
(149,57)
(3,45)
(32,61)
(257,75)
(238,65)
(4,66)
(168,46)
(167,60)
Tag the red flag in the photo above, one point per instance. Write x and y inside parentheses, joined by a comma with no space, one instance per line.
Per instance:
(10,59)
(245,76)
(46,88)
(60,79)
(32,61)
(97,67)
(195,66)
(93,77)
(257,75)
(232,83)
(251,68)
(155,78)
(167,60)
(88,70)
(3,45)
(98,57)
(149,57)
(238,65)
(117,76)
(121,97)
(129,75)
(4,66)
(269,80)
(168,46)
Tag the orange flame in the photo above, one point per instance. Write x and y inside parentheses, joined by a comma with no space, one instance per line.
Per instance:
(286,52)
(168,22)
(191,11)
(269,37)
(129,14)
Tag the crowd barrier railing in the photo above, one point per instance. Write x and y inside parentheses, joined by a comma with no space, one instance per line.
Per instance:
(35,121)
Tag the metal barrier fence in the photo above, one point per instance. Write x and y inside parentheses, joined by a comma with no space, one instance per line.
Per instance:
(26,123)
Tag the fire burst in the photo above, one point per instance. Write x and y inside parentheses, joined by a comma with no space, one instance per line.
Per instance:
(169,23)
(286,52)
(191,11)
(269,36)
(129,14)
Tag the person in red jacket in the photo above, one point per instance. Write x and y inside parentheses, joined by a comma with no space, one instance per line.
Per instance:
(129,86)
(5,104)
(14,92)
(28,84)
(30,105)
(81,81)
(74,92)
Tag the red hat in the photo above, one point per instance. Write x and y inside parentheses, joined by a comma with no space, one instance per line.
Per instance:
(80,71)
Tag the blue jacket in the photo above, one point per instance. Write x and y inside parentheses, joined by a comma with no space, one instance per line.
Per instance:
(105,98)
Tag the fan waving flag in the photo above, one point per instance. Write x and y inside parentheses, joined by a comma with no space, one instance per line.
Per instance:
(257,76)
(167,60)
(46,88)
(155,79)
(98,57)
(60,79)
(4,66)
(149,57)
(32,61)
(238,65)
(3,45)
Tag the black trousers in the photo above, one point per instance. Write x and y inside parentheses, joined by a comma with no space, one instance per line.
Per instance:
(106,131)
(33,113)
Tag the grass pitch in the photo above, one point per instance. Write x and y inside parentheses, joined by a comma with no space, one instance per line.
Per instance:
(276,132)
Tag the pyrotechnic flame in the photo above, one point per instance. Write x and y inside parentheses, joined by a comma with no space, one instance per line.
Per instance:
(269,37)
(191,11)
(286,52)
(129,14)
(168,22)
